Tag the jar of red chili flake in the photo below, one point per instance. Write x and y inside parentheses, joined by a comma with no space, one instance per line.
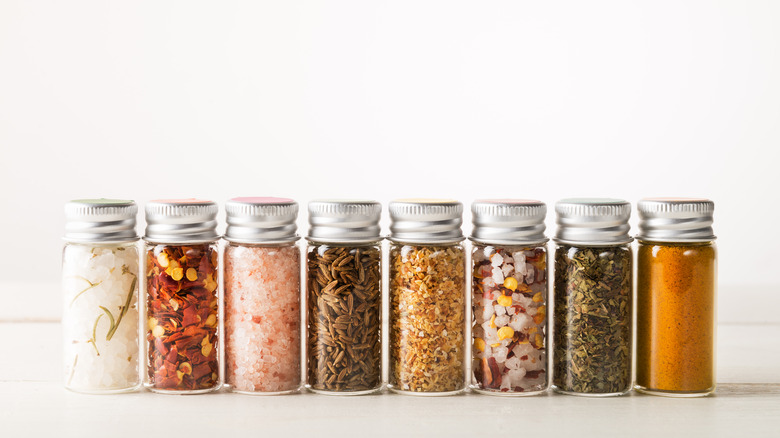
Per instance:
(181,304)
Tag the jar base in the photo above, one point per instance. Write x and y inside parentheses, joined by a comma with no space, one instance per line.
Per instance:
(425,394)
(675,394)
(180,392)
(93,391)
(481,391)
(230,388)
(344,393)
(591,394)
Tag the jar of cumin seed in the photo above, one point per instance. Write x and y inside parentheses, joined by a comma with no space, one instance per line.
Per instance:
(592,324)
(344,299)
(676,294)
(427,297)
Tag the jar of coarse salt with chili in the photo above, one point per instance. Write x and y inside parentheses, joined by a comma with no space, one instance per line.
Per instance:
(182,266)
(344,297)
(262,296)
(676,296)
(427,297)
(509,297)
(100,297)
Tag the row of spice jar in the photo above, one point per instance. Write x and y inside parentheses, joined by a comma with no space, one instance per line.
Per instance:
(592,310)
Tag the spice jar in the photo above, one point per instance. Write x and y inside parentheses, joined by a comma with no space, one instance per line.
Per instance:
(100,298)
(181,303)
(344,301)
(509,297)
(427,297)
(676,289)
(262,296)
(592,330)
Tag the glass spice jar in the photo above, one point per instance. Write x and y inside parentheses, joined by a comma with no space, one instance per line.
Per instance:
(100,297)
(262,297)
(676,293)
(592,325)
(509,297)
(344,300)
(182,266)
(427,298)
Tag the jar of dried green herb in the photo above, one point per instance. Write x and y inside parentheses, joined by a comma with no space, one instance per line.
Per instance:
(676,292)
(509,297)
(592,327)
(344,300)
(427,297)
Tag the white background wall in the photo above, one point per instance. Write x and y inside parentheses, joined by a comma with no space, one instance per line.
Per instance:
(461,99)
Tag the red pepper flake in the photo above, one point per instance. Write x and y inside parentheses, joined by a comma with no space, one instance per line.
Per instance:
(182,317)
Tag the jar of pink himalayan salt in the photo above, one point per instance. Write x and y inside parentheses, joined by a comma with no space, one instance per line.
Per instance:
(262,297)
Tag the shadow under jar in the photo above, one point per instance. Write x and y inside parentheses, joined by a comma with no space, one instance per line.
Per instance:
(100,297)
(676,293)
(509,298)
(262,297)
(344,300)
(181,290)
(592,324)
(427,298)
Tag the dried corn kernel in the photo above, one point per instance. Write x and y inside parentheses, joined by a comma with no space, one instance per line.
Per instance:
(192,274)
(510,283)
(504,300)
(505,333)
(479,344)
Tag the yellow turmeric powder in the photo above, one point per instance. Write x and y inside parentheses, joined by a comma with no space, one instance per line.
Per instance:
(676,286)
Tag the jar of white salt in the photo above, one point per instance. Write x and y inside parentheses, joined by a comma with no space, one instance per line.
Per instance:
(509,297)
(262,297)
(100,296)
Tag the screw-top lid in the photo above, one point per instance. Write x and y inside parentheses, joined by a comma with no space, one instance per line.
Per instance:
(593,221)
(100,220)
(181,221)
(676,219)
(508,221)
(261,220)
(426,220)
(344,220)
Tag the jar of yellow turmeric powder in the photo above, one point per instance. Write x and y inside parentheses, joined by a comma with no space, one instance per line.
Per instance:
(676,288)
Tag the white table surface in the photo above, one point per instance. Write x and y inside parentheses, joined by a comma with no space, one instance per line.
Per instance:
(34,403)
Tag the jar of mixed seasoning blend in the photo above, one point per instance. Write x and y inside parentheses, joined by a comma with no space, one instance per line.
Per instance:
(262,296)
(181,303)
(427,297)
(344,300)
(676,292)
(100,296)
(592,331)
(509,297)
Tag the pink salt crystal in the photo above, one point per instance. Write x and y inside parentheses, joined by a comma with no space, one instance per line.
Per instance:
(262,318)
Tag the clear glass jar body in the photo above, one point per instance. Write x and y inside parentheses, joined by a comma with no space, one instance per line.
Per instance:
(676,292)
(262,318)
(592,324)
(182,315)
(100,317)
(344,309)
(427,319)
(509,319)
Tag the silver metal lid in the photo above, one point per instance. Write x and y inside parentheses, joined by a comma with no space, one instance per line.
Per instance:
(181,221)
(426,221)
(344,220)
(593,221)
(261,220)
(508,221)
(100,220)
(676,219)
